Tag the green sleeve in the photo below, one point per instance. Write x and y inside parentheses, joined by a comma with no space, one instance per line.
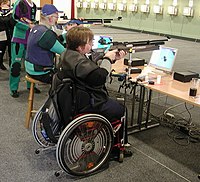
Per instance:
(64,37)
(21,25)
(57,48)
(50,42)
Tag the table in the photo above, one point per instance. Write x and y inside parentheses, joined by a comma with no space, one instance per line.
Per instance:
(168,86)
(176,89)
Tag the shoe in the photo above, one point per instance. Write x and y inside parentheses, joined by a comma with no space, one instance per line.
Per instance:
(127,145)
(36,90)
(115,153)
(128,153)
(3,67)
(14,93)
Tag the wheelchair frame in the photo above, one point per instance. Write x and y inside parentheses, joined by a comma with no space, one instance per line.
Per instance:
(79,154)
(83,146)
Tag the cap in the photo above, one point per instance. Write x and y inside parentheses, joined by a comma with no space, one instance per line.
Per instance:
(49,9)
(74,21)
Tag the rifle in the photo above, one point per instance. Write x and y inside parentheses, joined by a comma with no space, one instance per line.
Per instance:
(86,21)
(136,46)
(100,21)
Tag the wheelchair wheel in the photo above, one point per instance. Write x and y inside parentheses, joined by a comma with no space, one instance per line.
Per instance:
(85,144)
(38,131)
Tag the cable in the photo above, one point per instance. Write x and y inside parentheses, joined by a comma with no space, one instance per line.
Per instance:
(169,108)
(190,116)
(195,133)
(187,108)
(183,131)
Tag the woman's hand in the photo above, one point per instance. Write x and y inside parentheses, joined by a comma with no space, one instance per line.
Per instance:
(115,55)
(120,54)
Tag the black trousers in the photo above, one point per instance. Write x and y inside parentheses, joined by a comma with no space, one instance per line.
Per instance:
(46,78)
(112,110)
(3,45)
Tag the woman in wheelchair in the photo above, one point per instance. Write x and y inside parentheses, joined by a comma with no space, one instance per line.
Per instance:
(87,127)
(90,77)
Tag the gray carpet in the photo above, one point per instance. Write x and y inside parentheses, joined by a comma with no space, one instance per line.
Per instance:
(157,157)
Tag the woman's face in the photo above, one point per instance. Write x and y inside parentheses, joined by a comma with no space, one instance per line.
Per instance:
(86,48)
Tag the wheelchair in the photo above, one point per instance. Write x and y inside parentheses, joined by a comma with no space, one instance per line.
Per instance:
(83,146)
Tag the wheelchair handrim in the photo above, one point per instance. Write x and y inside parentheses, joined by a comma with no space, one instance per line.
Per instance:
(99,146)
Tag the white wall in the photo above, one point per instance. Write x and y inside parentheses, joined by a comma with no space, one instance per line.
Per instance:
(37,2)
(63,5)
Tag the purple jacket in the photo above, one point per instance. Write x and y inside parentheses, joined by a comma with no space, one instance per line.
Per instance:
(21,30)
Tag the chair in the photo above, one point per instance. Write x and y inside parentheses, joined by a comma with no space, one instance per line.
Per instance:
(30,99)
(84,143)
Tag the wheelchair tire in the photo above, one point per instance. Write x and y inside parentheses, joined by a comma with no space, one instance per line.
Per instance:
(38,134)
(85,144)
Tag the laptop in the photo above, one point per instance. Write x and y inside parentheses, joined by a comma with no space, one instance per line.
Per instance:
(163,59)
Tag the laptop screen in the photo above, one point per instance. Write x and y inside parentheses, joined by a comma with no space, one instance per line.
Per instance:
(163,59)
(102,42)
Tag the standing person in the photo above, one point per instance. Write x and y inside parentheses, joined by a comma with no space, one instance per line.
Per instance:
(24,13)
(6,30)
(90,77)
(42,45)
